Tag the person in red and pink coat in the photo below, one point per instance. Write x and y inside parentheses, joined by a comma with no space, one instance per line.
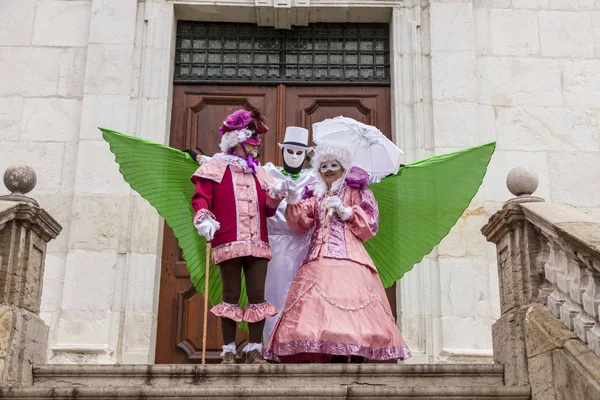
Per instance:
(234,197)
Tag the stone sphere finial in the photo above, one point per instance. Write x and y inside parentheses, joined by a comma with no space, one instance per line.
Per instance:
(522,181)
(19,179)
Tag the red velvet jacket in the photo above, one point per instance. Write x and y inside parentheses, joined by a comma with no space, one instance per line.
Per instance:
(229,192)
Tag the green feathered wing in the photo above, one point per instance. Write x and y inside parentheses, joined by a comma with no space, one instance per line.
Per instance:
(161,175)
(419,205)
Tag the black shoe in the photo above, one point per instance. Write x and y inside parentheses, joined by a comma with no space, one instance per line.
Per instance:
(357,360)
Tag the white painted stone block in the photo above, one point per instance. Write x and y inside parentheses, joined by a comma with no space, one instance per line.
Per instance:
(146,228)
(453,76)
(62,23)
(530,4)
(11,110)
(51,119)
(119,15)
(494,184)
(59,207)
(90,278)
(72,72)
(566,34)
(573,5)
(538,129)
(465,334)
(464,285)
(43,157)
(17,22)
(514,32)
(109,69)
(53,282)
(465,238)
(154,125)
(519,81)
(97,172)
(29,71)
(83,327)
(462,125)
(596,32)
(143,274)
(104,111)
(575,178)
(96,222)
(492,3)
(451,27)
(581,83)
(483,38)
(138,331)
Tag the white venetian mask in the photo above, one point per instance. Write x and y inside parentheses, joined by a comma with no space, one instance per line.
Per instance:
(329,166)
(293,157)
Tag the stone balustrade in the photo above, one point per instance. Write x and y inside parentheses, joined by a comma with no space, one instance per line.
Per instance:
(549,276)
(25,229)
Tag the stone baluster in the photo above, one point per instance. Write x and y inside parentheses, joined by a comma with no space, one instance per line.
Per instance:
(521,260)
(25,229)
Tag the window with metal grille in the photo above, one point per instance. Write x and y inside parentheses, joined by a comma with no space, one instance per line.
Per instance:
(318,53)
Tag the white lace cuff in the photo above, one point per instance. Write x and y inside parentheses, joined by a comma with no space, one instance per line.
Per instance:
(210,220)
(253,346)
(346,213)
(229,348)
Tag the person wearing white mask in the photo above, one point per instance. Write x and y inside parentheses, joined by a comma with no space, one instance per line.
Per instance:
(288,248)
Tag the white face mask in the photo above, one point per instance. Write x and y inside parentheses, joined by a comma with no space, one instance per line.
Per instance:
(329,166)
(294,158)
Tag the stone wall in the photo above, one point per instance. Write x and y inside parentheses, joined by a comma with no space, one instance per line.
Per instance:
(465,72)
(526,74)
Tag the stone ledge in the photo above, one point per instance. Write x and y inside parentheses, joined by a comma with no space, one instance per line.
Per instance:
(543,332)
(282,375)
(304,392)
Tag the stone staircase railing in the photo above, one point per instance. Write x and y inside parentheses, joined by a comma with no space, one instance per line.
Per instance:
(549,274)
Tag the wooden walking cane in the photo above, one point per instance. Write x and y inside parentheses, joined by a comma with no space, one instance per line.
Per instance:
(204,323)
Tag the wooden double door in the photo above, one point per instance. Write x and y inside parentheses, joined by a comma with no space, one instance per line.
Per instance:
(198,111)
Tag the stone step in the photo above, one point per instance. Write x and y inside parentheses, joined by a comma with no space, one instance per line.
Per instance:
(181,375)
(330,392)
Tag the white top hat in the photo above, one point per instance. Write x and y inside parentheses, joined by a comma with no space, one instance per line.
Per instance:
(295,138)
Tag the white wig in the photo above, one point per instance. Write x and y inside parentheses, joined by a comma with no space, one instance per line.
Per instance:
(330,152)
(233,138)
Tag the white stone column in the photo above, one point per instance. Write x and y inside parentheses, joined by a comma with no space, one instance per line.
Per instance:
(113,262)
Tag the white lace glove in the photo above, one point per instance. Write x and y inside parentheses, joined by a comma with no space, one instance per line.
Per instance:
(335,204)
(281,189)
(207,228)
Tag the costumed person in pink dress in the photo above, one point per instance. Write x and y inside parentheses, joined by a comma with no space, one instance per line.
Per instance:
(336,308)
(231,204)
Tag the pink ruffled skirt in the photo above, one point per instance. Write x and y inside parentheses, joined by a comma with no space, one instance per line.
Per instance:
(336,307)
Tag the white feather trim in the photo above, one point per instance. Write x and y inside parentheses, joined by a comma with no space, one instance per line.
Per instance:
(231,139)
(346,213)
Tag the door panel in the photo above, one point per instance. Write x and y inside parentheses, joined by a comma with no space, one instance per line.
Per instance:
(198,111)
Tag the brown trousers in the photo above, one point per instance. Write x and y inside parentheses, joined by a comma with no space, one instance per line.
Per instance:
(255,271)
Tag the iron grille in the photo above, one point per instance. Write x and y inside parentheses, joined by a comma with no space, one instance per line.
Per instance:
(318,53)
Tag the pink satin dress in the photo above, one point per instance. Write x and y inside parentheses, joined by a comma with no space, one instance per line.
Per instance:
(336,304)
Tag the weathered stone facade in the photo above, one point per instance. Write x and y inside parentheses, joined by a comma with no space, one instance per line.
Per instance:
(465,72)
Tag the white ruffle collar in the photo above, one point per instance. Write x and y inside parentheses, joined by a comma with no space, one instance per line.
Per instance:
(236,161)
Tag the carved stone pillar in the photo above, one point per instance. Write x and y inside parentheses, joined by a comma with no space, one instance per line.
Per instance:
(25,230)
(520,272)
